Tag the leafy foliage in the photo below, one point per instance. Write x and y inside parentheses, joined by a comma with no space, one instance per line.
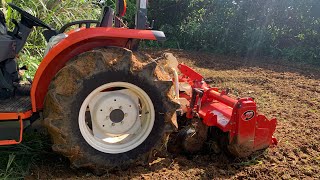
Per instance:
(288,29)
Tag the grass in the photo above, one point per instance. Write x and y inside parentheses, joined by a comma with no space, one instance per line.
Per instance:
(16,161)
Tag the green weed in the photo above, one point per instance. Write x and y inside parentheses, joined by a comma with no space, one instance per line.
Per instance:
(254,160)
(16,160)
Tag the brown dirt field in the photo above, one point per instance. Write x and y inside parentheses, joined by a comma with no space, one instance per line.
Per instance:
(285,90)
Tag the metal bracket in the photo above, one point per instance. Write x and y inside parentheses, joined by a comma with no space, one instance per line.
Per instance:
(196,92)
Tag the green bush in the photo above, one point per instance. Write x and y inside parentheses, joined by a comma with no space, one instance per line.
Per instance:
(282,29)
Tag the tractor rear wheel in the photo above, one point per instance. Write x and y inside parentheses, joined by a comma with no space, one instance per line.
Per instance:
(107,109)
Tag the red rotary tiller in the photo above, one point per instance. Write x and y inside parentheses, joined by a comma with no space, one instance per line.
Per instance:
(247,130)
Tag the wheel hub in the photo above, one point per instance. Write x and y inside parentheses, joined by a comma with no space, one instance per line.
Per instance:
(117,116)
(121,119)
(115,113)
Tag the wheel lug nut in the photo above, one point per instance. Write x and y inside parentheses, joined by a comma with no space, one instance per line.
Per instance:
(126,114)
(120,107)
(111,109)
(113,124)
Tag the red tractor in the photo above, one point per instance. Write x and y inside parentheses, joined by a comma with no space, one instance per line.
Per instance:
(105,105)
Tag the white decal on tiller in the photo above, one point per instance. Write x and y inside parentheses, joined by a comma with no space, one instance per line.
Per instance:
(221,119)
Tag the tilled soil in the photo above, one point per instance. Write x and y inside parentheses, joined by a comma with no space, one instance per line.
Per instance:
(285,90)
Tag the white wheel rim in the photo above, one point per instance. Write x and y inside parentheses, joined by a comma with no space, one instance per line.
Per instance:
(121,119)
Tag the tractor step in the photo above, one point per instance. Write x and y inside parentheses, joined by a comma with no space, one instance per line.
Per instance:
(11,132)
(12,113)
(15,104)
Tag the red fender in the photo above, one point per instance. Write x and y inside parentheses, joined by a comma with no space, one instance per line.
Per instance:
(76,43)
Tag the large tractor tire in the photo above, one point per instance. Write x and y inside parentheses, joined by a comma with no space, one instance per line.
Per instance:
(108,108)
